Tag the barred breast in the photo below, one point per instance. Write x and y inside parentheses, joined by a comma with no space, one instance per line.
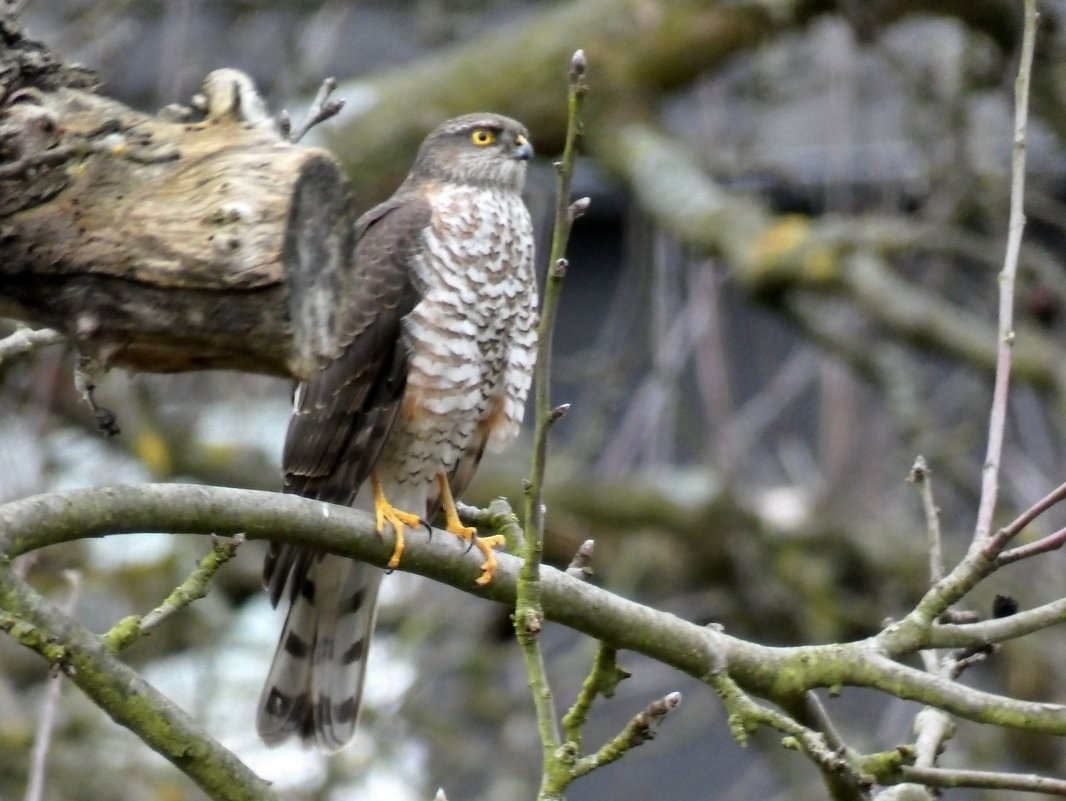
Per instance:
(472,339)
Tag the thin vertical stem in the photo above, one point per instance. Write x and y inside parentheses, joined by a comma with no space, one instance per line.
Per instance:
(42,741)
(1016,226)
(529,615)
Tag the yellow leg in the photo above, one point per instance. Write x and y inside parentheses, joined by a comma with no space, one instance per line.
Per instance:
(385,512)
(455,526)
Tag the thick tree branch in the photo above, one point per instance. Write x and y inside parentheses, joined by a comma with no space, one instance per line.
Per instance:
(768,672)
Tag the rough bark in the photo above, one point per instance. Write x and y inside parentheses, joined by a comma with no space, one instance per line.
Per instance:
(159,243)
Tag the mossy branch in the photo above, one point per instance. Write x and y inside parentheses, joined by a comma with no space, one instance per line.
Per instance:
(603,678)
(771,673)
(193,588)
(89,661)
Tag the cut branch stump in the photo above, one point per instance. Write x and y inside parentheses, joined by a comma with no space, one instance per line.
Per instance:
(166,243)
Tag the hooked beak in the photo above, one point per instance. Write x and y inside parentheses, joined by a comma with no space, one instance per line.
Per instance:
(523,149)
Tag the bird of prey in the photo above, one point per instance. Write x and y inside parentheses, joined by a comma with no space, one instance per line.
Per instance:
(435,361)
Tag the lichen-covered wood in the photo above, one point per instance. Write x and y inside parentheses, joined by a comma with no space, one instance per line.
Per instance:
(165,243)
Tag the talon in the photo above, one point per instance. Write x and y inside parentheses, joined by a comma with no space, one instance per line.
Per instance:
(485,545)
(468,533)
(385,512)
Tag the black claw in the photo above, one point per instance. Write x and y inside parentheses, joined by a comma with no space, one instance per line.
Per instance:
(469,545)
(106,421)
(429,528)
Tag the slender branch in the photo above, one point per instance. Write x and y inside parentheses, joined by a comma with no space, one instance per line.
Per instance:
(1016,226)
(932,726)
(1053,498)
(921,476)
(807,710)
(987,632)
(603,679)
(639,730)
(581,565)
(195,587)
(529,612)
(1052,542)
(1012,529)
(322,108)
(745,715)
(942,777)
(565,214)
(43,738)
(980,560)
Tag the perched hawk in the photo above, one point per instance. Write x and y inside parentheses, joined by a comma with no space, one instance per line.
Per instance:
(435,363)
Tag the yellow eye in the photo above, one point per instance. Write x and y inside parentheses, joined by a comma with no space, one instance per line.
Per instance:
(482,137)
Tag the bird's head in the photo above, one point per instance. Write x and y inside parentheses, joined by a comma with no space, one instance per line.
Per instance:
(483,149)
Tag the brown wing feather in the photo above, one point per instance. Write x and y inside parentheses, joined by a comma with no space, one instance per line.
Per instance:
(343,414)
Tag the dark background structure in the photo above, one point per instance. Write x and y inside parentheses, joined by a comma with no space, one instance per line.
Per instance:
(783,292)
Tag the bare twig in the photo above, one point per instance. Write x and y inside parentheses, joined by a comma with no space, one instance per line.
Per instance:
(638,731)
(921,476)
(941,777)
(1016,226)
(1012,529)
(1052,542)
(581,565)
(529,611)
(43,738)
(603,679)
(322,108)
(745,715)
(192,589)
(931,726)
(986,632)
(980,559)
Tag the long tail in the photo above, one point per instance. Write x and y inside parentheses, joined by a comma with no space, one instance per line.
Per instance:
(315,684)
